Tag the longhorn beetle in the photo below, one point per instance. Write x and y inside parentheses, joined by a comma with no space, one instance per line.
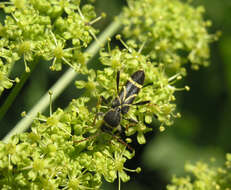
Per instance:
(121,104)
(124,99)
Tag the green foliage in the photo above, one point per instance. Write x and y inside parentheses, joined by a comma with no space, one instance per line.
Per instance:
(204,177)
(68,150)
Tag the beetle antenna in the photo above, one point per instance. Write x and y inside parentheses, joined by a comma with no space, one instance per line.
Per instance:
(118,81)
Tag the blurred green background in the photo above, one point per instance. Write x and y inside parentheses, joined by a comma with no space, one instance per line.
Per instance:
(202,132)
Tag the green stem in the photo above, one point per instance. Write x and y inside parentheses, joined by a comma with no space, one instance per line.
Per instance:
(119,182)
(62,83)
(13,94)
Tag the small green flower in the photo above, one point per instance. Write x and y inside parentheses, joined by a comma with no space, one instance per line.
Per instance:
(5,82)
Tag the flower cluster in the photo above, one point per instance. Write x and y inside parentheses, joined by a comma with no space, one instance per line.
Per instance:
(174,33)
(51,156)
(55,31)
(204,177)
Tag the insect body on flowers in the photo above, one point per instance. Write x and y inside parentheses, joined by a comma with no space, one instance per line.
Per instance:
(111,122)
(121,104)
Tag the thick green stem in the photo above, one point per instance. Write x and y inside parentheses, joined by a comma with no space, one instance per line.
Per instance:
(62,83)
(13,94)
